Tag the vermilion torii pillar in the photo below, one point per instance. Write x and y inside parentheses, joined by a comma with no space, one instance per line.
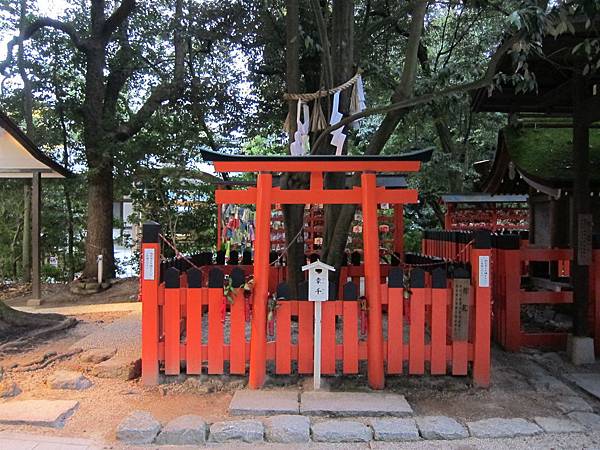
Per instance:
(368,195)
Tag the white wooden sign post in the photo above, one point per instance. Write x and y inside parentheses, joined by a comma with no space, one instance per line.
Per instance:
(318,291)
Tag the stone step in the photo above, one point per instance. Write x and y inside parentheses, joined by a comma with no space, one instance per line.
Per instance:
(353,404)
(47,413)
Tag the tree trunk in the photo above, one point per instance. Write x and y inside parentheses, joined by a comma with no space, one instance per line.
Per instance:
(99,239)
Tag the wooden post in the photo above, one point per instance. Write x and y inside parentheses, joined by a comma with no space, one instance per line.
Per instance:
(581,218)
(480,263)
(510,246)
(219,225)
(399,229)
(258,339)
(150,275)
(372,280)
(36,200)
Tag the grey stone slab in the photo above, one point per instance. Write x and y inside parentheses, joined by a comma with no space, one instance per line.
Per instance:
(47,413)
(440,427)
(394,429)
(263,403)
(558,425)
(587,419)
(589,382)
(573,403)
(547,384)
(9,389)
(502,428)
(139,427)
(287,429)
(119,367)
(97,355)
(69,379)
(341,431)
(237,430)
(183,430)
(358,404)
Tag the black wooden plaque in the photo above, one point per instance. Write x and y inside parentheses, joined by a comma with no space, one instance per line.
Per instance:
(584,239)
(460,309)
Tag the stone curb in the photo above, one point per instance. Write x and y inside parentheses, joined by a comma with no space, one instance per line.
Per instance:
(301,429)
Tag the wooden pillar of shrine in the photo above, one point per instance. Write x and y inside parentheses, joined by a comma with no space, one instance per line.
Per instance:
(258,339)
(372,281)
(399,229)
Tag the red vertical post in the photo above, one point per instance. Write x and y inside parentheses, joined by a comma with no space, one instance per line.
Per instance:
(172,317)
(448,216)
(258,340)
(399,229)
(481,255)
(372,280)
(439,307)
(219,225)
(150,275)
(512,289)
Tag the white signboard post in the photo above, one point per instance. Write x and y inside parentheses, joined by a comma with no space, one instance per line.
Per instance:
(318,291)
(149,254)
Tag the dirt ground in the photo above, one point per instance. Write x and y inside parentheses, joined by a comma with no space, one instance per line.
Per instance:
(58,294)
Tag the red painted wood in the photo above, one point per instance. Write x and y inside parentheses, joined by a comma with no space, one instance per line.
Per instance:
(317,166)
(416,363)
(395,344)
(460,358)
(305,336)
(193,343)
(215,331)
(482,335)
(439,305)
(512,271)
(328,338)
(237,339)
(283,348)
(350,332)
(172,331)
(150,319)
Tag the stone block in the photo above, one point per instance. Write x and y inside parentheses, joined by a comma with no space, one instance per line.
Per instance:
(441,427)
(580,350)
(9,389)
(183,430)
(69,379)
(237,430)
(263,403)
(394,429)
(589,382)
(287,429)
(358,404)
(573,403)
(587,419)
(119,367)
(46,413)
(139,427)
(97,355)
(502,428)
(557,425)
(341,431)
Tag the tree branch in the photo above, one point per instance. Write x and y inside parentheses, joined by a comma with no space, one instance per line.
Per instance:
(117,18)
(34,27)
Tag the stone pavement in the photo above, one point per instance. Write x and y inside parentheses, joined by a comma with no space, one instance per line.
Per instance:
(27,441)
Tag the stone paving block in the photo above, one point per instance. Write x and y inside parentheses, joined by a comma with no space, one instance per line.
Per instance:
(589,382)
(47,413)
(547,384)
(119,367)
(263,403)
(394,429)
(587,419)
(573,403)
(183,430)
(9,389)
(558,425)
(361,404)
(341,431)
(502,428)
(287,429)
(237,430)
(441,427)
(139,427)
(69,379)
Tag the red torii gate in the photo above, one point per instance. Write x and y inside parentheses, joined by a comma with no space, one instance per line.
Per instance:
(368,195)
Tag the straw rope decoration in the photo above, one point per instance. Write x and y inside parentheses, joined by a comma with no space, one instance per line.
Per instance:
(305,122)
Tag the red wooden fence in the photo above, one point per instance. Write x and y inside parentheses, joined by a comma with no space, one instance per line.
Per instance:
(187,326)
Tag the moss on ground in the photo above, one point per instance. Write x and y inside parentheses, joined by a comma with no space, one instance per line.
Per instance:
(547,152)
